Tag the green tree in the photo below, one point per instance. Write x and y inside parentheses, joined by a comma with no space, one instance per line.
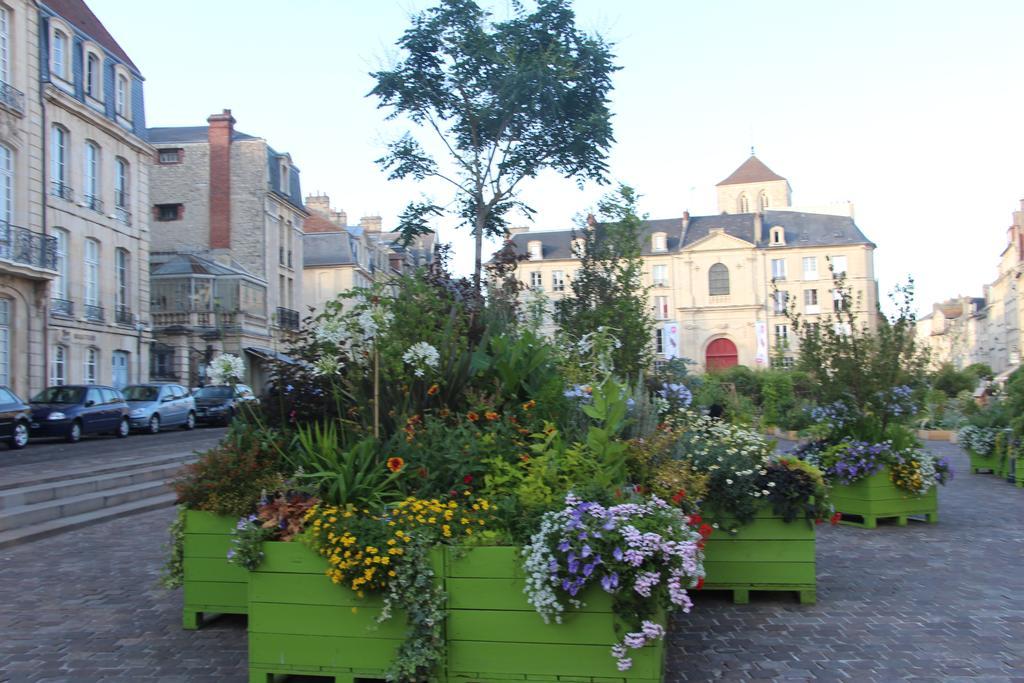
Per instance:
(506,100)
(608,290)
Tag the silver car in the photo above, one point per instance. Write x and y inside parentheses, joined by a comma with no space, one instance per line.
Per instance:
(152,406)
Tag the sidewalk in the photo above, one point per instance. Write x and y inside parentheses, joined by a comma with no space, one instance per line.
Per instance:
(925,602)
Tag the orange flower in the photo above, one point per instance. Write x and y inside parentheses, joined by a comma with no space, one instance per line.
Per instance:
(472,417)
(444,412)
(491,415)
(432,391)
(529,404)
(395,464)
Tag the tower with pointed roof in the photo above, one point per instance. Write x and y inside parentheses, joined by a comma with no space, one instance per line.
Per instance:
(752,188)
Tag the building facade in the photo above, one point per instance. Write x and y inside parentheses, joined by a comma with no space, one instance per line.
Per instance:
(720,285)
(74,288)
(226,250)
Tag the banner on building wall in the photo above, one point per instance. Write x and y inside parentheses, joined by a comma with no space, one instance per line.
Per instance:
(670,340)
(761,328)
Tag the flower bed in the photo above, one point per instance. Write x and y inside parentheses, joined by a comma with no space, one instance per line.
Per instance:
(766,554)
(211,585)
(876,497)
(493,633)
(302,623)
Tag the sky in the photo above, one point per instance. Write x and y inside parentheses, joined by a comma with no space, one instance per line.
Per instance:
(911,110)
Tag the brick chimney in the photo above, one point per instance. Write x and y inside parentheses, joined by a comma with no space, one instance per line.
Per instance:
(686,227)
(371,223)
(220,131)
(319,204)
(758,227)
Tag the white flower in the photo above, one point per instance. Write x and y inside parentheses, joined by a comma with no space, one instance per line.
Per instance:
(421,356)
(327,365)
(225,369)
(333,331)
(728,481)
(771,484)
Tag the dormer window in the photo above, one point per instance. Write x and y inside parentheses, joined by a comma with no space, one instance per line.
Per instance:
(777,236)
(743,204)
(93,75)
(535,250)
(122,95)
(284,178)
(578,247)
(59,54)
(659,242)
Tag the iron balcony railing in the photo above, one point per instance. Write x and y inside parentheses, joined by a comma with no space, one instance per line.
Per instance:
(64,307)
(123,215)
(124,316)
(27,247)
(94,313)
(59,189)
(12,98)
(287,318)
(94,203)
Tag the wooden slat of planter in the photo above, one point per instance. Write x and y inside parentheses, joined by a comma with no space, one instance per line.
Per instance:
(322,620)
(1019,473)
(753,573)
(766,528)
(983,462)
(200,522)
(742,550)
(507,594)
(211,584)
(216,596)
(528,627)
(283,652)
(207,545)
(533,661)
(305,589)
(497,562)
(292,557)
(213,569)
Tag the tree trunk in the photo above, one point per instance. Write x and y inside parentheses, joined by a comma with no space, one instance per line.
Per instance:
(479,230)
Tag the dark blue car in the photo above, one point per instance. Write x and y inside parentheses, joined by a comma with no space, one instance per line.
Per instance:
(72,411)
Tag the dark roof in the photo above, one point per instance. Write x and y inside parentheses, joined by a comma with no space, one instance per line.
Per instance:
(752,170)
(78,14)
(326,249)
(801,230)
(186,134)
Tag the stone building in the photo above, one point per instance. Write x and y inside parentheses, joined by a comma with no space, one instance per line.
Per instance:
(711,277)
(226,262)
(341,257)
(984,329)
(74,229)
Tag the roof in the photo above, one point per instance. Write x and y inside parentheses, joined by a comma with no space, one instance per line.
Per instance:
(78,14)
(326,249)
(193,264)
(801,230)
(186,134)
(317,223)
(752,170)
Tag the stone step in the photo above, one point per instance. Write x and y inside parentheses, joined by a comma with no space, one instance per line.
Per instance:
(42,476)
(37,513)
(70,487)
(62,524)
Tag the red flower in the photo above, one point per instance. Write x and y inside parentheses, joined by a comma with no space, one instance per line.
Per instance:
(491,415)
(678,497)
(700,583)
(422,471)
(468,479)
(639,489)
(472,417)
(819,521)
(696,519)
(433,390)
(705,530)
(395,464)
(835,518)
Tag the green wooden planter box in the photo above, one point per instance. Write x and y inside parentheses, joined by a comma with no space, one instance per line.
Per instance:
(876,497)
(302,623)
(768,554)
(983,462)
(494,634)
(1019,472)
(211,585)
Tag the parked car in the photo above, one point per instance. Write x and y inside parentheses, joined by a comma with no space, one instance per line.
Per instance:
(72,411)
(153,406)
(218,404)
(15,419)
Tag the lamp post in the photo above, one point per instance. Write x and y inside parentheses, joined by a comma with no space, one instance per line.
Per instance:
(139,328)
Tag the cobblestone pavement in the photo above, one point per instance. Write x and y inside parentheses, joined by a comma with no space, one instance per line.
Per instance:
(938,602)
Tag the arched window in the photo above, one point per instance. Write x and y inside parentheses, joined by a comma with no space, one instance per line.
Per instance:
(59,161)
(59,365)
(93,76)
(5,342)
(92,276)
(59,288)
(5,32)
(744,204)
(121,189)
(122,276)
(90,367)
(91,176)
(122,97)
(6,184)
(718,280)
(777,236)
(59,55)
(762,201)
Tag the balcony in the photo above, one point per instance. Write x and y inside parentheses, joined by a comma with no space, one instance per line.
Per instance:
(62,308)
(11,98)
(94,203)
(210,321)
(124,316)
(94,313)
(121,203)
(26,247)
(59,189)
(123,215)
(287,318)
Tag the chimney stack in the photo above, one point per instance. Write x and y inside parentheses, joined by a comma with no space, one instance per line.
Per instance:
(319,204)
(221,128)
(758,226)
(371,223)
(519,229)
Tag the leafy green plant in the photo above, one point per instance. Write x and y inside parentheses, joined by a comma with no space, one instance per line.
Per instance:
(173,575)
(342,476)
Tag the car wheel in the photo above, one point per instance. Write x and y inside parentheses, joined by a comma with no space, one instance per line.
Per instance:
(123,429)
(20,437)
(154,424)
(190,421)
(75,432)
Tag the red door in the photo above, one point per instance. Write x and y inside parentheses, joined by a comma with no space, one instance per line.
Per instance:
(722,354)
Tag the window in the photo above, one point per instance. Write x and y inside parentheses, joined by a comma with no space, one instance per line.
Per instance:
(122,99)
(557,281)
(659,274)
(121,183)
(162,361)
(810,267)
(785,362)
(659,242)
(170,156)
(777,236)
(778,269)
(578,247)
(535,250)
(92,272)
(90,368)
(58,366)
(58,161)
(5,37)
(811,301)
(59,55)
(659,340)
(5,341)
(780,299)
(842,328)
(536,281)
(718,280)
(60,283)
(93,76)
(781,334)
(6,185)
(840,302)
(743,205)
(661,308)
(122,275)
(174,212)
(91,177)
(838,265)
(284,178)
(762,201)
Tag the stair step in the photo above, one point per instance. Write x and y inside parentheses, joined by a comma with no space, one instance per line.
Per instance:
(36,513)
(56,526)
(40,493)
(62,474)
